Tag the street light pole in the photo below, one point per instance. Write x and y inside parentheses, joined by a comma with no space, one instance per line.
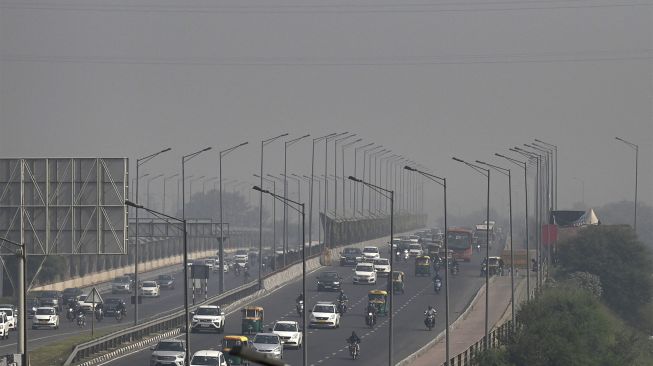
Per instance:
(221,154)
(389,194)
(299,199)
(299,207)
(260,216)
(149,180)
(326,184)
(371,151)
(443,183)
(555,171)
(184,159)
(185,240)
(636,148)
(310,195)
(274,221)
(285,193)
(355,188)
(21,252)
(139,162)
(342,155)
(485,172)
(507,172)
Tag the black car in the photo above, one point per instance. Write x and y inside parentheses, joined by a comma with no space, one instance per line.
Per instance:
(349,255)
(166,281)
(71,294)
(329,281)
(110,306)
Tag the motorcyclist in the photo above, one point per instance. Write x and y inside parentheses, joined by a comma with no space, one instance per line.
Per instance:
(372,309)
(353,339)
(437,277)
(299,298)
(342,297)
(430,312)
(120,308)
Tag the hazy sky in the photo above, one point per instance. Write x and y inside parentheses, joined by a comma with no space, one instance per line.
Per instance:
(427,79)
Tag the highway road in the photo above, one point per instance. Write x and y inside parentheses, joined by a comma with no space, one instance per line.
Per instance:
(149,308)
(327,346)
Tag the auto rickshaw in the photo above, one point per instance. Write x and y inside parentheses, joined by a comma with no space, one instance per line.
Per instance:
(229,342)
(398,281)
(252,319)
(379,298)
(495,267)
(432,249)
(423,265)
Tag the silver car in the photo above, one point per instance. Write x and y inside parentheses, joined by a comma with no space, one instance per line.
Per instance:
(268,344)
(169,352)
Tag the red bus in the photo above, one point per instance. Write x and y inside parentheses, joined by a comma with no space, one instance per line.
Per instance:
(460,241)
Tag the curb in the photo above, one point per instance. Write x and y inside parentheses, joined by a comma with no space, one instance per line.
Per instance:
(438,338)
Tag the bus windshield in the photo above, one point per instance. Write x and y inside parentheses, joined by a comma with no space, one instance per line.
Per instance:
(458,240)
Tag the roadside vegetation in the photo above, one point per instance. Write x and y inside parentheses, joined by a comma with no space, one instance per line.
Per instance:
(597,310)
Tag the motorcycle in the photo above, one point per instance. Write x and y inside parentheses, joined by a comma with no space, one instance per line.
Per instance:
(370,320)
(81,320)
(120,314)
(429,321)
(454,270)
(342,306)
(70,315)
(437,285)
(99,315)
(300,307)
(354,350)
(478,248)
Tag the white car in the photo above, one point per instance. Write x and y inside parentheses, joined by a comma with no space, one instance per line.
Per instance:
(325,314)
(382,267)
(11,317)
(4,326)
(371,252)
(364,273)
(208,357)
(168,352)
(45,317)
(150,289)
(269,344)
(289,332)
(210,262)
(208,317)
(87,307)
(415,249)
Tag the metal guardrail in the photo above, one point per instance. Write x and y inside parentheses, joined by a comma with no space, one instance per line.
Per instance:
(497,337)
(135,333)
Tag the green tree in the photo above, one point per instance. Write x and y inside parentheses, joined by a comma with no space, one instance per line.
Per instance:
(622,263)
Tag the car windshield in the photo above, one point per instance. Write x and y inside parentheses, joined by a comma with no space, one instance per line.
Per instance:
(149,284)
(381,261)
(361,268)
(44,311)
(324,309)
(122,280)
(82,297)
(352,251)
(285,327)
(170,346)
(370,250)
(9,312)
(165,277)
(266,339)
(204,360)
(415,246)
(330,275)
(69,291)
(208,311)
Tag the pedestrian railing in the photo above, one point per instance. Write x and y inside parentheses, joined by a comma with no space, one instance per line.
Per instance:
(496,338)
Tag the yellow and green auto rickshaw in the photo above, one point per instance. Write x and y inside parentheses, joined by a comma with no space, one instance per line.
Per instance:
(252,319)
(423,265)
(378,298)
(398,281)
(229,342)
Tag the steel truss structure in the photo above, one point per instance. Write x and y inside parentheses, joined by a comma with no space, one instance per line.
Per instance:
(65,205)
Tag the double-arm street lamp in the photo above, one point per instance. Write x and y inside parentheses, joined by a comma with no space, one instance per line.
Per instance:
(443,183)
(185,240)
(507,173)
(310,194)
(139,162)
(287,144)
(260,212)
(523,165)
(636,148)
(326,183)
(221,154)
(299,207)
(389,194)
(486,173)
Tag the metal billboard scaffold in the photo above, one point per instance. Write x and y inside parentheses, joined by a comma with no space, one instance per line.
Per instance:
(65,205)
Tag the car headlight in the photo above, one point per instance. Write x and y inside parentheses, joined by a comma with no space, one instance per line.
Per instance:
(181,355)
(336,283)
(332,316)
(195,320)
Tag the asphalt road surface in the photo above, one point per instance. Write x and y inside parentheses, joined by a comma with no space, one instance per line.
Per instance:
(169,301)
(328,346)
